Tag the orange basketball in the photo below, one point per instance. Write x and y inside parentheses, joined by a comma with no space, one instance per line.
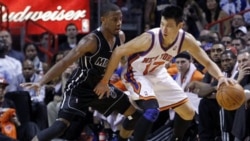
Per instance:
(230,97)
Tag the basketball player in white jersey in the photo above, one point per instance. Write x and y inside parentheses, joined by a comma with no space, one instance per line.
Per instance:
(146,78)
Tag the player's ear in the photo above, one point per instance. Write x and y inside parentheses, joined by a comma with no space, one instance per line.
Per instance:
(180,25)
(102,19)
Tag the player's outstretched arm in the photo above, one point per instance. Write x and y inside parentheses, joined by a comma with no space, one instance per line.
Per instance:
(138,44)
(87,44)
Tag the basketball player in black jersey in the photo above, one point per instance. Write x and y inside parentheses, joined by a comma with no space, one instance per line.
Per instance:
(93,53)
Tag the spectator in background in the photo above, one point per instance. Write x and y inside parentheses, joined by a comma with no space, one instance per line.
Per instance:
(30,52)
(233,6)
(226,40)
(39,108)
(71,33)
(152,18)
(241,128)
(11,52)
(149,14)
(215,35)
(248,44)
(46,67)
(194,18)
(213,13)
(247,14)
(4,103)
(9,66)
(186,70)
(238,43)
(237,21)
(241,32)
(208,107)
(52,88)
(46,49)
(25,131)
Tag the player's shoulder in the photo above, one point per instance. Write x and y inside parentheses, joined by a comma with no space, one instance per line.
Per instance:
(189,42)
(89,41)
(190,38)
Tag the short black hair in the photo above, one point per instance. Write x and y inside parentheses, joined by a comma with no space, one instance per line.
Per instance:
(173,12)
(107,7)
(28,44)
(183,54)
(70,24)
(229,52)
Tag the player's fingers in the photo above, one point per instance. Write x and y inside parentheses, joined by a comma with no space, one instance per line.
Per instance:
(226,82)
(234,81)
(95,90)
(101,96)
(25,84)
(108,93)
(98,92)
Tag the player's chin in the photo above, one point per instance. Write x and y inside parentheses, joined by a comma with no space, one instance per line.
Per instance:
(116,31)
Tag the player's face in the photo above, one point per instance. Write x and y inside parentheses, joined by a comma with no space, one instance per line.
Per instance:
(170,29)
(113,21)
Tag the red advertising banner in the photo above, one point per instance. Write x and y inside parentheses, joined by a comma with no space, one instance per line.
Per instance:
(51,14)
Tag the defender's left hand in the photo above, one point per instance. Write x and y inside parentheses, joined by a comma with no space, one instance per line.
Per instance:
(102,89)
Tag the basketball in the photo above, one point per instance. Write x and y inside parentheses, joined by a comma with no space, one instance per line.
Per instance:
(230,97)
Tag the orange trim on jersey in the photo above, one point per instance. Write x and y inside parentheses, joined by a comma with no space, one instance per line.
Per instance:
(129,76)
(147,98)
(174,105)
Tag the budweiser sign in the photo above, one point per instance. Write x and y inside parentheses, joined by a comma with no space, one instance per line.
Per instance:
(43,13)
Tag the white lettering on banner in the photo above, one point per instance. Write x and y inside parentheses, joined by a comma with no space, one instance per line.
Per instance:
(58,15)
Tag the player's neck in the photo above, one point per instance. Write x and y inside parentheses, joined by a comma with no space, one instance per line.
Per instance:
(166,43)
(107,35)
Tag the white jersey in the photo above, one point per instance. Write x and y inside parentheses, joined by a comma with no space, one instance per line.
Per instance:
(146,76)
(155,58)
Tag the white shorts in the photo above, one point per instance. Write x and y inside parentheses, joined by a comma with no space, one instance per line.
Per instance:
(160,86)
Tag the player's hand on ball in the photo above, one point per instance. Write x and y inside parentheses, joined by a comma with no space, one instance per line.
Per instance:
(225,80)
(102,89)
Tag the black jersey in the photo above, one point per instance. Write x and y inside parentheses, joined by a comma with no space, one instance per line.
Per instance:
(98,61)
(92,66)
